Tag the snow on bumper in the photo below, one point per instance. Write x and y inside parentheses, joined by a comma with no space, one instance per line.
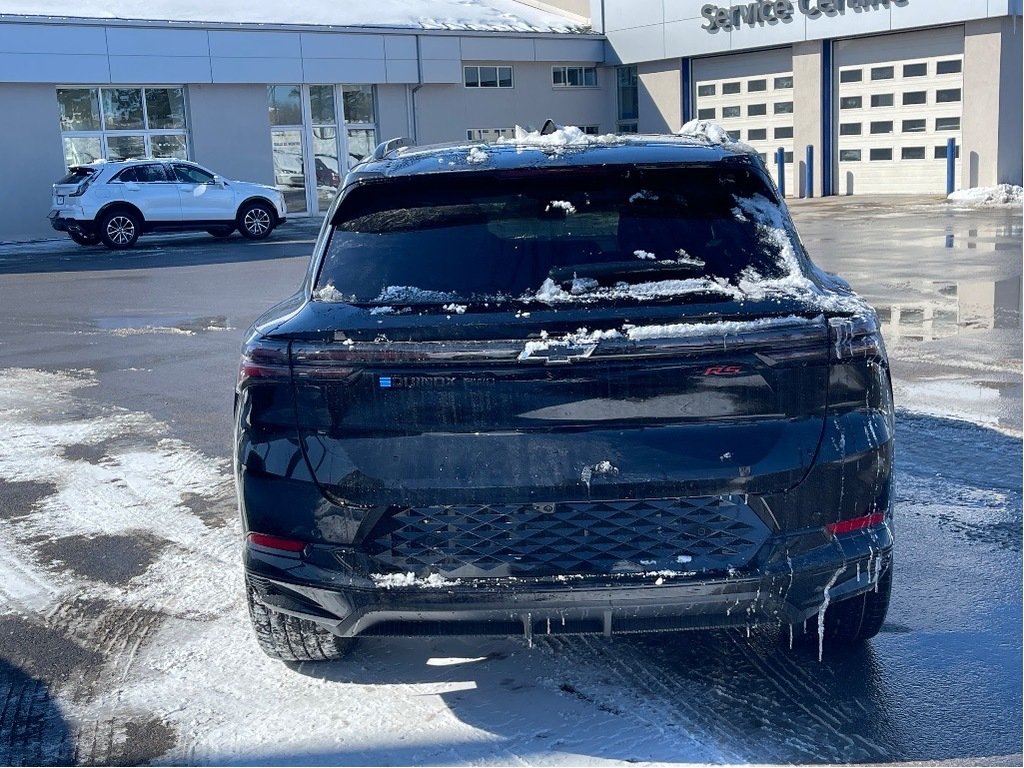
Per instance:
(788,588)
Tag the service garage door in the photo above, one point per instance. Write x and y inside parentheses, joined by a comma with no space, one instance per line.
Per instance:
(751,96)
(900,99)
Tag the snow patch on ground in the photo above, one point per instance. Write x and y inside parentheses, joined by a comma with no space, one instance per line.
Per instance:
(1000,195)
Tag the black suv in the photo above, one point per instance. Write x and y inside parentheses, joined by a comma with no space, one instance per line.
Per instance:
(545,387)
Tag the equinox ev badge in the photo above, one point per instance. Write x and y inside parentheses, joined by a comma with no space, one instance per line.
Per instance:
(430,382)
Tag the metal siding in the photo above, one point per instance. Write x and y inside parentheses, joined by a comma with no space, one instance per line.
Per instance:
(496,49)
(246,44)
(57,39)
(440,47)
(160,69)
(400,46)
(572,50)
(344,71)
(261,70)
(442,71)
(401,71)
(325,45)
(135,41)
(632,14)
(54,68)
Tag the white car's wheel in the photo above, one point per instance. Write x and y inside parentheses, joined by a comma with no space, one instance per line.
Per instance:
(255,221)
(120,229)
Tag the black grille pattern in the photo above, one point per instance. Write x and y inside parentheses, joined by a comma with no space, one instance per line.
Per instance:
(600,537)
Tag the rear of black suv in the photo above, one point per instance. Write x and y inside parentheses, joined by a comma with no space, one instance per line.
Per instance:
(593,389)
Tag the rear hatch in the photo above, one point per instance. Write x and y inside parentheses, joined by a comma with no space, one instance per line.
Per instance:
(73,184)
(546,336)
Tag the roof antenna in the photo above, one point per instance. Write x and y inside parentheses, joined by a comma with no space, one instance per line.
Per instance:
(550,126)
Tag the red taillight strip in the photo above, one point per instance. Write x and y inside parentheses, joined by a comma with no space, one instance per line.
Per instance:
(276,542)
(856,524)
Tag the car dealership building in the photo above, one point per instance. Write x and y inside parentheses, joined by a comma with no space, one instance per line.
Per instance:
(295,97)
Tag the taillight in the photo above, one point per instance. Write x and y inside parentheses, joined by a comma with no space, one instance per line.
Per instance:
(276,542)
(856,524)
(263,360)
(855,338)
(82,186)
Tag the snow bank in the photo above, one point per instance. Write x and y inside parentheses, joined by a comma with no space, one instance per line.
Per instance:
(482,15)
(1003,194)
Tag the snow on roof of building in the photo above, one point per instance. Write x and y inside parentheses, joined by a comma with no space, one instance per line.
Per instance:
(463,15)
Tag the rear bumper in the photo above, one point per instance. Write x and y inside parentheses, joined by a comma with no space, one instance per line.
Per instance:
(787,587)
(64,224)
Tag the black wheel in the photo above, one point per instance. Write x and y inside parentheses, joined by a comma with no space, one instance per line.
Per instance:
(84,238)
(120,229)
(859,618)
(291,639)
(220,232)
(255,221)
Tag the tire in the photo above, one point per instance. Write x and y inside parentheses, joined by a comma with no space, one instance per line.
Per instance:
(220,232)
(255,221)
(859,618)
(120,229)
(288,638)
(84,238)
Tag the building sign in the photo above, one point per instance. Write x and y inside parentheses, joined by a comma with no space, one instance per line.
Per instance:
(773,11)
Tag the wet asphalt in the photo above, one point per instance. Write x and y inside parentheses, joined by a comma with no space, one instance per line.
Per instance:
(160,328)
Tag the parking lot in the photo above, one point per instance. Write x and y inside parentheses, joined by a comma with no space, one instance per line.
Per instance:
(123,633)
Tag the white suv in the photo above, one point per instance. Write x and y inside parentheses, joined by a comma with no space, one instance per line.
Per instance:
(117,201)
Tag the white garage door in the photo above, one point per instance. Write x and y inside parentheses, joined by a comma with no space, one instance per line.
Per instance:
(896,113)
(751,96)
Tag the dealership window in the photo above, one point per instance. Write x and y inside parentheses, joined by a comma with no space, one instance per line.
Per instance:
(949,67)
(707,90)
(317,133)
(915,70)
(947,95)
(851,76)
(784,108)
(783,83)
(121,123)
(881,154)
(947,124)
(912,153)
(487,134)
(883,100)
(574,77)
(849,155)
(849,129)
(487,77)
(628,99)
(915,97)
(915,126)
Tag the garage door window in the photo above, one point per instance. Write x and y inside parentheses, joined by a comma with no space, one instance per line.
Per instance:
(947,95)
(122,123)
(881,154)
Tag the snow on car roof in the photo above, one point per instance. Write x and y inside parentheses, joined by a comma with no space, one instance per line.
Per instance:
(463,15)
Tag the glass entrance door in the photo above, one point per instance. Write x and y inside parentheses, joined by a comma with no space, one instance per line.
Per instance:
(290,168)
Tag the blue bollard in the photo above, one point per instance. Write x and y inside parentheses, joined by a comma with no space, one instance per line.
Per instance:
(809,174)
(780,163)
(951,166)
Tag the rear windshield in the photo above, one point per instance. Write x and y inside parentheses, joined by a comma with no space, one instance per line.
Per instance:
(76,175)
(581,234)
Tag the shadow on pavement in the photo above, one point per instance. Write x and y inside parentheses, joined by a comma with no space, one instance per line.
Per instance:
(33,730)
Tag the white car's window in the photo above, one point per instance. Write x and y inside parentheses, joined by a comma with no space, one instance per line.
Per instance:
(190,174)
(151,173)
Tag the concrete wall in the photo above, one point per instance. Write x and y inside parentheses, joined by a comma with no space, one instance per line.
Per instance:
(393,119)
(807,115)
(445,112)
(1011,120)
(230,131)
(661,96)
(33,160)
